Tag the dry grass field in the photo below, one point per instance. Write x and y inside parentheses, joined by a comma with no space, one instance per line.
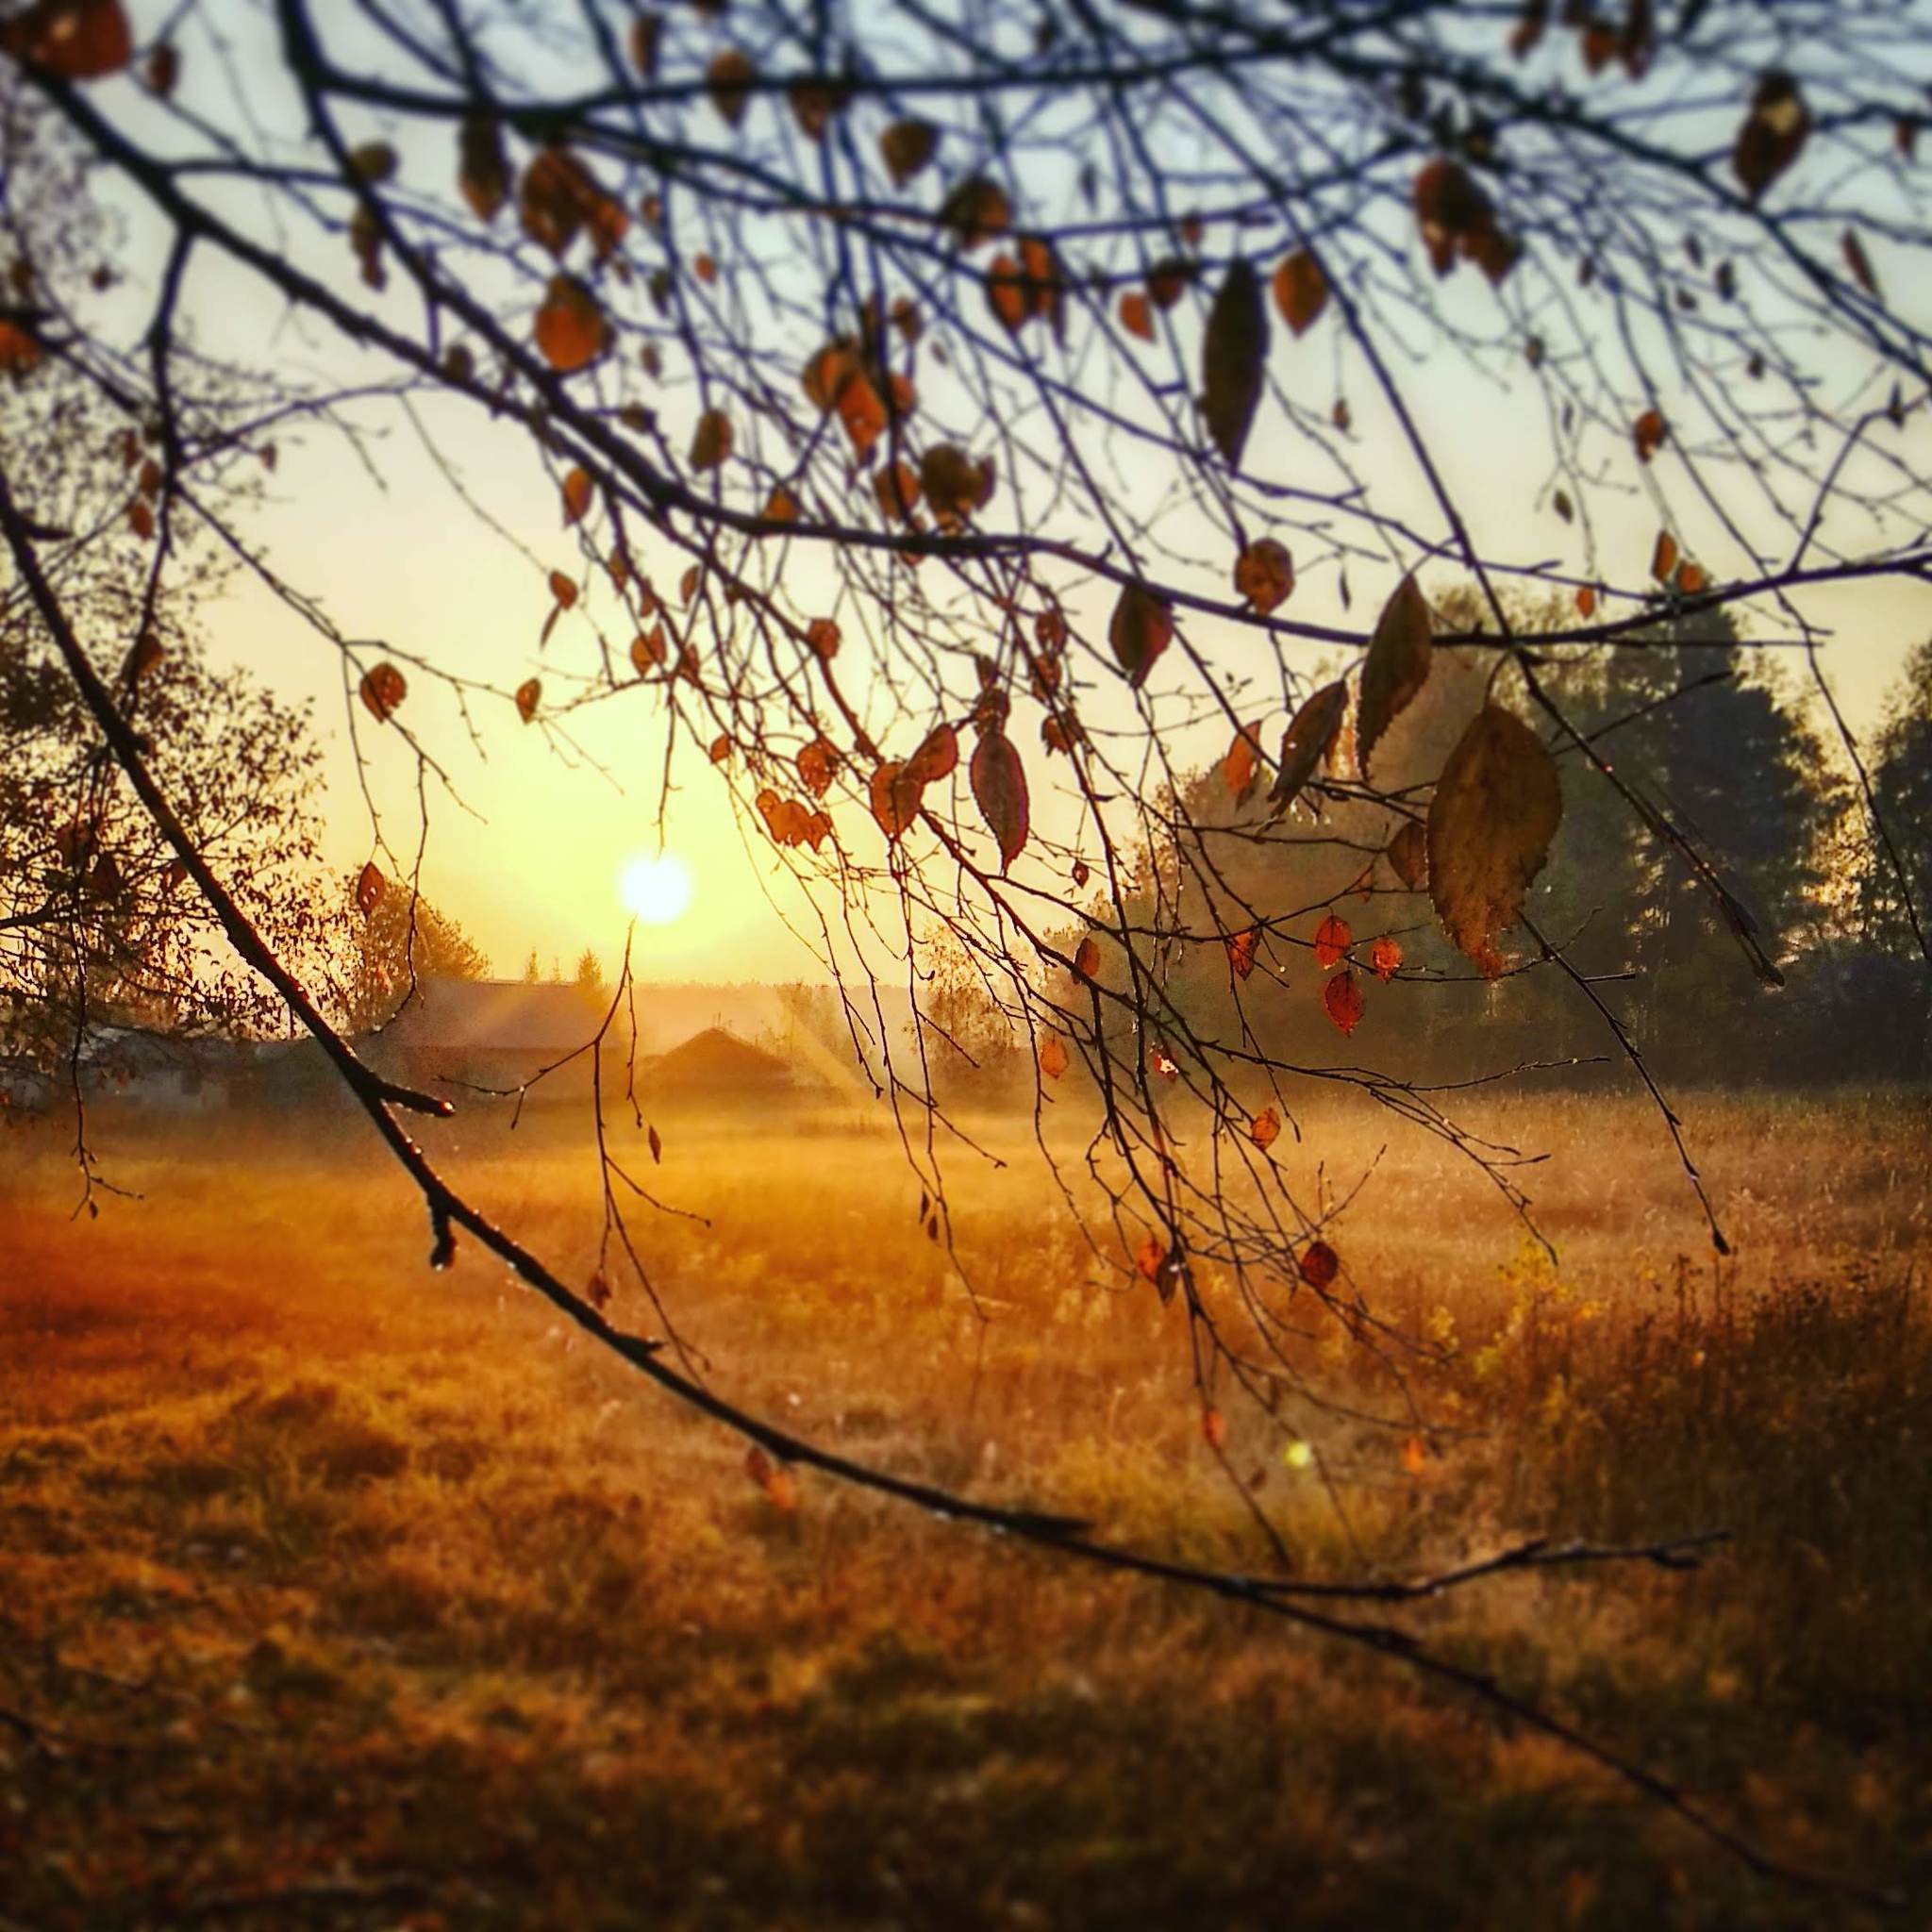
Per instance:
(340,1593)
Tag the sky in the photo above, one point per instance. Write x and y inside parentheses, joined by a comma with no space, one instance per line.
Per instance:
(527,846)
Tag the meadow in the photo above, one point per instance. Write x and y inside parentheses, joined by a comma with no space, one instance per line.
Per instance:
(338,1593)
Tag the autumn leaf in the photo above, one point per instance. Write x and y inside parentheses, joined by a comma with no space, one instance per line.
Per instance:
(1264,574)
(577,498)
(1150,1259)
(728,79)
(1332,939)
(1396,667)
(1139,630)
(1663,557)
(955,484)
(1690,578)
(1860,263)
(19,351)
(648,650)
(1301,291)
(1137,317)
(937,755)
(1240,951)
(1243,761)
(1497,808)
(373,161)
(817,763)
(1384,958)
(894,805)
(561,199)
(821,634)
(482,173)
(571,329)
(976,209)
(1265,1128)
(1168,280)
(721,748)
(1052,1056)
(1408,855)
(1320,1264)
(383,689)
(1086,957)
(1306,742)
(646,29)
(1342,997)
(1772,135)
(1414,1454)
(1213,1429)
(1233,357)
(1649,433)
(77,40)
(999,789)
(164,68)
(370,886)
(907,148)
(529,695)
(711,442)
(1586,601)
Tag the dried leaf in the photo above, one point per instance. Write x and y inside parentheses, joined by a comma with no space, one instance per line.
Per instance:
(907,146)
(577,498)
(529,695)
(1320,1264)
(1136,316)
(1395,668)
(1264,574)
(1086,957)
(1243,760)
(370,886)
(1342,997)
(821,634)
(999,789)
(1141,629)
(1301,291)
(482,173)
(1213,1427)
(1497,808)
(976,210)
(1306,742)
(383,689)
(1384,958)
(1408,855)
(711,442)
(571,329)
(1649,433)
(727,79)
(77,40)
(1772,135)
(1663,556)
(1240,951)
(721,748)
(1265,1128)
(1860,263)
(1052,1056)
(1234,357)
(1332,939)
(937,755)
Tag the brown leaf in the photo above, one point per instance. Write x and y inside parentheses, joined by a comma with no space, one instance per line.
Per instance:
(1137,317)
(1691,579)
(711,442)
(1301,291)
(370,886)
(1307,741)
(1320,1264)
(1264,574)
(1265,1128)
(482,173)
(77,40)
(1086,957)
(1772,135)
(559,199)
(1168,279)
(164,68)
(1860,263)
(577,498)
(937,755)
(1497,808)
(999,789)
(1663,556)
(728,78)
(1385,956)
(529,695)
(907,146)
(383,689)
(1052,1056)
(1408,855)
(1213,1427)
(563,591)
(894,805)
(1396,667)
(1342,997)
(1649,433)
(955,484)
(571,329)
(1140,629)
(817,762)
(645,31)
(821,634)
(1240,951)
(1234,359)
(976,210)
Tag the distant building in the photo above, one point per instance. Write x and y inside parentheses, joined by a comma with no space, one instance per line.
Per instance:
(489,1033)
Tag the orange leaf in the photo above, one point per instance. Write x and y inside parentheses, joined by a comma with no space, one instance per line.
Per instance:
(370,886)
(577,498)
(529,694)
(1586,601)
(571,329)
(721,749)
(1649,433)
(1414,1454)
(1691,579)
(1342,997)
(1663,557)
(1301,291)
(1240,951)
(1265,1128)
(1087,957)
(1385,955)
(1332,939)
(821,634)
(1243,761)
(1052,1056)
(648,650)
(383,689)
(1137,317)
(1213,1427)
(1151,1257)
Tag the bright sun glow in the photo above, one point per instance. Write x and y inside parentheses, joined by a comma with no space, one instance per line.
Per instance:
(657,887)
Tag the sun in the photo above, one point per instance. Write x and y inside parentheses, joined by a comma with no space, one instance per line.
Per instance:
(657,886)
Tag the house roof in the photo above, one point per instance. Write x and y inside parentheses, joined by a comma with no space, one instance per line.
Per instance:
(716,1059)
(504,1015)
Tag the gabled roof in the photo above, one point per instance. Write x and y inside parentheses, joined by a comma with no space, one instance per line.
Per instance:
(502,1015)
(715,1058)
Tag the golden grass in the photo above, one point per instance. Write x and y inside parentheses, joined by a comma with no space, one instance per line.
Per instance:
(340,1592)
